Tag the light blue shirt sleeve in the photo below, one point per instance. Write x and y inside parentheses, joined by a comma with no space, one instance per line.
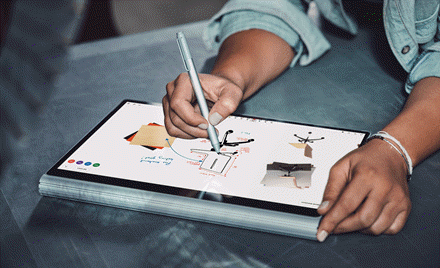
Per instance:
(286,19)
(427,65)
(428,62)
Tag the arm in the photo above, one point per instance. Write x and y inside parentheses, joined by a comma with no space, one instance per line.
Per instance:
(367,189)
(252,58)
(247,60)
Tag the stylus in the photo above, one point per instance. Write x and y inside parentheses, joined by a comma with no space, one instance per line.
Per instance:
(194,77)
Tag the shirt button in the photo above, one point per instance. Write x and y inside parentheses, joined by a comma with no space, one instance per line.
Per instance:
(405,49)
(217,38)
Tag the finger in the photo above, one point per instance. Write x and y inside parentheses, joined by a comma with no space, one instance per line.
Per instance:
(352,197)
(181,99)
(365,216)
(175,123)
(178,128)
(169,126)
(338,179)
(384,221)
(398,223)
(227,103)
(389,221)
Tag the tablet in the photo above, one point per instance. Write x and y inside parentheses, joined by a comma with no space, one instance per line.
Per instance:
(263,164)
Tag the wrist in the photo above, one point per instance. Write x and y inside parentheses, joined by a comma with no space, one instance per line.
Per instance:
(252,58)
(232,75)
(396,146)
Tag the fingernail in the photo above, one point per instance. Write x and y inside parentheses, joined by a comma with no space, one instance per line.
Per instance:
(215,118)
(203,126)
(322,236)
(323,205)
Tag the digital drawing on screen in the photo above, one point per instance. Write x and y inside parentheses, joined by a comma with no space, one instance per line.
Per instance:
(288,175)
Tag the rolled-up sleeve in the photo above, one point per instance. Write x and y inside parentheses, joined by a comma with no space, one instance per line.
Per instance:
(427,65)
(286,19)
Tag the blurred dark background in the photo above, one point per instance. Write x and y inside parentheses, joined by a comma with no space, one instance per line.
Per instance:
(110,18)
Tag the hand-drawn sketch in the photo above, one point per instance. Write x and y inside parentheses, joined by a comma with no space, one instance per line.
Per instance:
(213,162)
(308,139)
(304,146)
(303,143)
(224,141)
(152,136)
(218,163)
(288,175)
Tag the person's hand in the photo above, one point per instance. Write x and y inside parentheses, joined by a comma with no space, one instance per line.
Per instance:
(182,114)
(367,191)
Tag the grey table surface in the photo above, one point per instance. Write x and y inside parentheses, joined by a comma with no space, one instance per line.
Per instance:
(352,86)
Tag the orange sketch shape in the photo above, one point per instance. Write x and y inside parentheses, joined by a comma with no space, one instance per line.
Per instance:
(306,147)
(151,147)
(152,135)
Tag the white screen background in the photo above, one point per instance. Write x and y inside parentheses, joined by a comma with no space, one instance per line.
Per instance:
(178,166)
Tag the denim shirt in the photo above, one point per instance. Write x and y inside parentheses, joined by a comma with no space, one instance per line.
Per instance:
(412,30)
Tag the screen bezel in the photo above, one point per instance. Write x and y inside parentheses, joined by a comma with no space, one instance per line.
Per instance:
(121,182)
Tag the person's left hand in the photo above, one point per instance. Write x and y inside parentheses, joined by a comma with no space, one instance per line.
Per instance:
(367,191)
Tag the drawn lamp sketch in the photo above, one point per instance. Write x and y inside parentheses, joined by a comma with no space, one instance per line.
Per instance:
(288,175)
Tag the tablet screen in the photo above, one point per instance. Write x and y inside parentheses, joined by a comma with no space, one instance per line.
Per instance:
(263,163)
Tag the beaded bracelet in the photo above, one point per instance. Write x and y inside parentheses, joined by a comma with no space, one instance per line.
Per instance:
(387,137)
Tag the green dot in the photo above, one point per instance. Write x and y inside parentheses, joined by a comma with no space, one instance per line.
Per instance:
(96,165)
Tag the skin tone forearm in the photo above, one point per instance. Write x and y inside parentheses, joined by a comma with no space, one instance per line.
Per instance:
(418,125)
(252,58)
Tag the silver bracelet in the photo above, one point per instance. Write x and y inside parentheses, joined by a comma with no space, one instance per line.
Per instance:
(387,137)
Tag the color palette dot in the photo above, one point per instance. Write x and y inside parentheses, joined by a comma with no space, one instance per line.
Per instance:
(79,162)
(71,161)
(96,165)
(87,163)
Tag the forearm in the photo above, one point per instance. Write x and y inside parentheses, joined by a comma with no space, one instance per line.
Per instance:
(252,58)
(417,127)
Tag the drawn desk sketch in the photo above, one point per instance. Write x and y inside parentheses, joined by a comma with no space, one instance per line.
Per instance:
(288,175)
(290,165)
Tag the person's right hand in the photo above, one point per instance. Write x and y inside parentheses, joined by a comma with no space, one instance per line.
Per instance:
(182,114)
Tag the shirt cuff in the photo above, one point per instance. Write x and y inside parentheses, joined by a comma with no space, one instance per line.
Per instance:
(427,65)
(282,18)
